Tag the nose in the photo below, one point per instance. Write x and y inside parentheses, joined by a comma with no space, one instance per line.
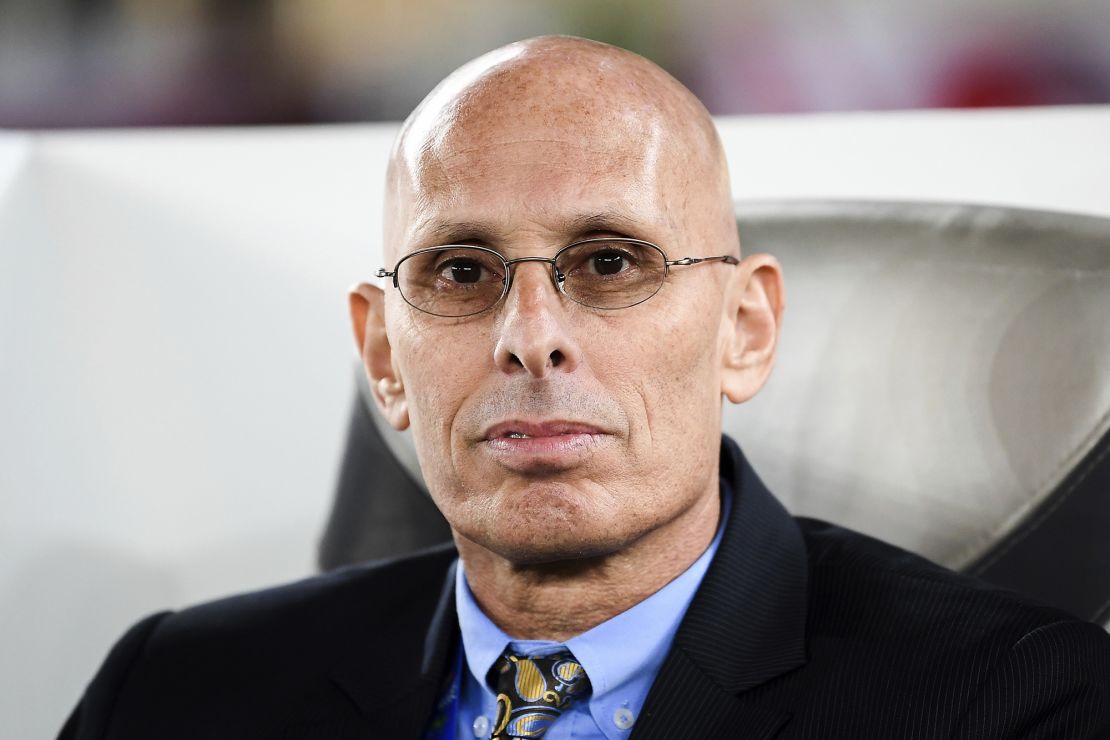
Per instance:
(533,336)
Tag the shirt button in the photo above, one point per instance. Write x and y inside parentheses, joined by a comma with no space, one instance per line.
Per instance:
(481,726)
(623,718)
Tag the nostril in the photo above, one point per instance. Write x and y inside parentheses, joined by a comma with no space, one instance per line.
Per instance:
(556,358)
(515,360)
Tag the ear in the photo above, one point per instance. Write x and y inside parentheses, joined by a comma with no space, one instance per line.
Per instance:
(368,321)
(754,302)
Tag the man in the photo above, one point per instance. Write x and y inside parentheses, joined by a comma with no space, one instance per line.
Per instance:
(566,309)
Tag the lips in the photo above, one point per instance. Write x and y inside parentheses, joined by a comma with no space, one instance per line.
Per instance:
(542,448)
(520,429)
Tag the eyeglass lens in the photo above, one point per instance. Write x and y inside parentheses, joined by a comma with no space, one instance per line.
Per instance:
(461,281)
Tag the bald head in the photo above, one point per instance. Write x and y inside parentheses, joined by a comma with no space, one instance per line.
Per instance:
(519,107)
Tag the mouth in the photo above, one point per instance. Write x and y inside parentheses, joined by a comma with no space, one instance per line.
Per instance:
(521,429)
(531,446)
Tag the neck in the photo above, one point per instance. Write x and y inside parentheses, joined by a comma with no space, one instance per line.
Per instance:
(529,601)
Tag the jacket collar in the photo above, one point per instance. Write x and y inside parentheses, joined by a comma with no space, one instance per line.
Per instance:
(747,623)
(745,626)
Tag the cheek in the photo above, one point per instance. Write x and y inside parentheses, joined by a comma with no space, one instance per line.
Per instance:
(676,374)
(675,364)
(436,383)
(440,370)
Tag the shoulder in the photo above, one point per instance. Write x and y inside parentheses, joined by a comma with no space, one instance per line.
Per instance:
(887,589)
(310,619)
(988,661)
(370,594)
(226,660)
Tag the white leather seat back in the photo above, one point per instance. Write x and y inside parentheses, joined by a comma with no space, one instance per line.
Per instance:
(942,368)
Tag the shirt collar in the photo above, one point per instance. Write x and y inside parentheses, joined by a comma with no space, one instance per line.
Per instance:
(603,651)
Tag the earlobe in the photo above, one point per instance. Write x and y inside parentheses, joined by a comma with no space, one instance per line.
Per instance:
(750,327)
(367,305)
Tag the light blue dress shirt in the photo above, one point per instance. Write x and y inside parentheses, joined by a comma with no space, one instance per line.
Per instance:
(621,656)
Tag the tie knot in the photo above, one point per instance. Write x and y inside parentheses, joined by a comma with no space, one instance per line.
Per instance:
(532,691)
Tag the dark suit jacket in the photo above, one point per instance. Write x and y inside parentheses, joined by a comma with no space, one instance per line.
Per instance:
(800,629)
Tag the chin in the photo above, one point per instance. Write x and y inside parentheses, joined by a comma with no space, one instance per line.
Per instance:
(546,523)
(559,549)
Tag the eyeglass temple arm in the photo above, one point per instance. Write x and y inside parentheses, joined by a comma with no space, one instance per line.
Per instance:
(728,258)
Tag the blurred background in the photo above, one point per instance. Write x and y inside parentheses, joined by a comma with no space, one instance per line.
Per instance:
(91,63)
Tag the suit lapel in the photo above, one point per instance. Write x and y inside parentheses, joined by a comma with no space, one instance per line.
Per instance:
(745,626)
(396,682)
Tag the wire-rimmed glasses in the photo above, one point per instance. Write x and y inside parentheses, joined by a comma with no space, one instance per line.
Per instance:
(607,273)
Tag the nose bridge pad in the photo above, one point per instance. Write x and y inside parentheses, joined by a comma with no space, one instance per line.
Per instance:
(560,278)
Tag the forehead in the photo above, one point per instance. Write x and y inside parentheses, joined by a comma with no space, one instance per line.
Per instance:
(530,140)
(604,173)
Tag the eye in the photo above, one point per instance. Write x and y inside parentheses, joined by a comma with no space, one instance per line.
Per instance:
(602,260)
(609,262)
(461,270)
(606,261)
(458,268)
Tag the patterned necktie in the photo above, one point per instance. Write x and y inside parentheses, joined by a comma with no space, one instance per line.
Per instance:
(533,691)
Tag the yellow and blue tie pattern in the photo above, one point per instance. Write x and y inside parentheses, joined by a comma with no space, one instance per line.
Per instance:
(533,691)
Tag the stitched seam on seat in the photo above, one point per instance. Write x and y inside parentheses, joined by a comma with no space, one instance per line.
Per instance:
(1044,515)
(968,556)
(1086,445)
(1102,612)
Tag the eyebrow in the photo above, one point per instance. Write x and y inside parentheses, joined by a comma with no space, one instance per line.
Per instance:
(456,232)
(608,221)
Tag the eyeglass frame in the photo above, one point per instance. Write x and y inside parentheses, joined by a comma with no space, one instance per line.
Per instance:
(558,278)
